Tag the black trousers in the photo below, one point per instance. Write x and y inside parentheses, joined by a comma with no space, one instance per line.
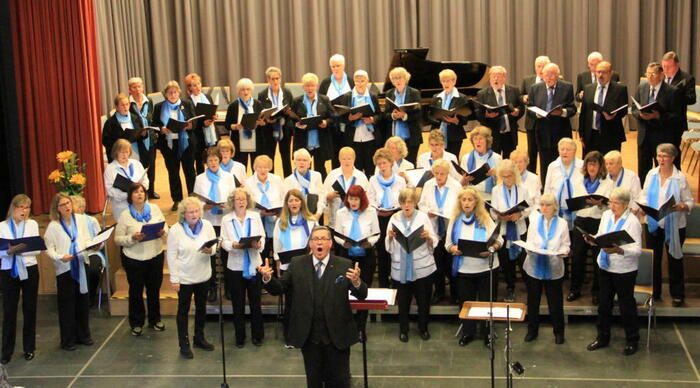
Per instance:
(94,274)
(580,249)
(320,161)
(150,163)
(212,259)
(597,142)
(454,147)
(140,274)
(239,287)
(73,310)
(503,143)
(676,275)
(475,287)
(287,310)
(338,143)
(555,303)
(199,290)
(420,289)
(285,147)
(11,288)
(510,267)
(443,262)
(173,163)
(364,154)
(547,156)
(412,153)
(198,149)
(383,257)
(326,366)
(532,151)
(621,284)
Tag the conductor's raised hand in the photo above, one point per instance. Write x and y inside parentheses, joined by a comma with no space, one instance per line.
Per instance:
(265,271)
(354,275)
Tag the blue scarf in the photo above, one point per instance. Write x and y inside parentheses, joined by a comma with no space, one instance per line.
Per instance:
(603,259)
(268,221)
(345,186)
(386,186)
(304,180)
(408,273)
(227,167)
(543,269)
(145,214)
(446,101)
(193,233)
(286,235)
(247,273)
(339,87)
(248,108)
(19,268)
(402,130)
(479,235)
(77,266)
(511,227)
(183,138)
(591,187)
(471,166)
(312,140)
(214,178)
(671,236)
(440,201)
(127,174)
(143,113)
(359,99)
(277,133)
(618,182)
(356,234)
(566,183)
(126,119)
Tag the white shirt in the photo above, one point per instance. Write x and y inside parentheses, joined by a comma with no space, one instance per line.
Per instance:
(333,176)
(201,97)
(375,193)
(471,265)
(555,177)
(532,184)
(116,196)
(423,259)
(315,187)
(298,238)
(229,235)
(561,243)
(494,161)
(596,97)
(127,226)
(238,170)
(425,161)
(428,203)
(58,242)
(31,229)
(226,185)
(629,180)
(498,201)
(186,263)
(604,188)
(369,224)
(686,196)
(628,261)
(505,101)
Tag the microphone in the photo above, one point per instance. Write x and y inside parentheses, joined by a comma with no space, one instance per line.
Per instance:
(492,249)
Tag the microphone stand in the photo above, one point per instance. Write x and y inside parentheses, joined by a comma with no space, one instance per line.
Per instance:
(508,350)
(220,278)
(492,336)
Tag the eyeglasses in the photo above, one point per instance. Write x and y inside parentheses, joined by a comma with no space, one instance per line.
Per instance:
(320,239)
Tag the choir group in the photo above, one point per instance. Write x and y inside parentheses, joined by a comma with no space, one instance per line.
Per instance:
(410,217)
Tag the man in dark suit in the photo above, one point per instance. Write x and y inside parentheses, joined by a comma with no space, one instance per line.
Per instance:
(674,76)
(552,93)
(504,126)
(659,125)
(321,321)
(540,62)
(600,130)
(589,77)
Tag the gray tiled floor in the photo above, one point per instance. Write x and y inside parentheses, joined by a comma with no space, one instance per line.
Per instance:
(153,360)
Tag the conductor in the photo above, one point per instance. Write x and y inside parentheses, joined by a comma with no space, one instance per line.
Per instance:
(324,327)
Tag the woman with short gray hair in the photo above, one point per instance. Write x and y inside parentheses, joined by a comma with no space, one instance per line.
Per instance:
(246,140)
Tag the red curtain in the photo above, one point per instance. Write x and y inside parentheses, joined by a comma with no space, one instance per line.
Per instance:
(55,52)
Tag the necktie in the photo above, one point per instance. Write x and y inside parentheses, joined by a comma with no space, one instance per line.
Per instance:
(550,97)
(652,98)
(668,80)
(599,116)
(501,101)
(319,269)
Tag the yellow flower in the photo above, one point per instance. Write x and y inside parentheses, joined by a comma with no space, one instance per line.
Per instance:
(55,176)
(78,179)
(63,157)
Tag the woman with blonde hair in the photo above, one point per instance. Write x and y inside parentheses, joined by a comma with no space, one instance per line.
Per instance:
(482,153)
(404,124)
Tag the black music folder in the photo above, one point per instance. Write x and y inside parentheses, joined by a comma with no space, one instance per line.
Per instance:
(580,203)
(391,105)
(479,175)
(411,242)
(208,111)
(472,248)
(287,256)
(515,209)
(365,109)
(500,109)
(660,213)
(312,121)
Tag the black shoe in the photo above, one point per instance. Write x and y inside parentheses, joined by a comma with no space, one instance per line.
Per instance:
(510,296)
(630,349)
(403,337)
(202,343)
(678,303)
(425,335)
(466,339)
(158,326)
(573,295)
(594,300)
(5,360)
(240,344)
(558,339)
(175,205)
(29,356)
(211,295)
(69,348)
(153,195)
(137,331)
(87,342)
(257,342)
(530,336)
(597,344)
(186,351)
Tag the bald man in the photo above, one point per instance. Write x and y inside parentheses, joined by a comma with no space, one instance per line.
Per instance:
(589,76)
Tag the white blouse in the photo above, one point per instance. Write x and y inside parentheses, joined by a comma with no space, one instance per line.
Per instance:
(555,177)
(425,161)
(369,224)
(335,175)
(375,193)
(128,226)
(275,194)
(315,187)
(428,203)
(628,261)
(226,185)
(629,180)
(116,196)
(423,260)
(229,235)
(560,244)
(58,242)
(298,238)
(604,188)
(686,196)
(31,229)
(517,193)
(533,184)
(186,263)
(495,161)
(471,265)
(238,170)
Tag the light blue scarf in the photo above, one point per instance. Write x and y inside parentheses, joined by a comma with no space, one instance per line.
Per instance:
(183,138)
(471,166)
(359,99)
(511,200)
(145,214)
(446,101)
(248,108)
(312,140)
(77,265)
(247,273)
(356,234)
(214,178)
(543,269)
(402,130)
(671,236)
(286,235)
(479,235)
(566,184)
(126,119)
(19,268)
(386,187)
(408,272)
(604,259)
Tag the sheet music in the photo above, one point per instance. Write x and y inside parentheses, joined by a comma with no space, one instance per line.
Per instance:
(498,312)
(387,294)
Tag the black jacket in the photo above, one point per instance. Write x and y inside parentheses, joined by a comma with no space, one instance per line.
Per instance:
(612,131)
(232,118)
(413,120)
(346,99)
(323,109)
(455,132)
(112,131)
(551,129)
(672,110)
(487,96)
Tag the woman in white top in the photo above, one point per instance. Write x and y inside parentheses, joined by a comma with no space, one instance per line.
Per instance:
(241,276)
(128,168)
(594,181)
(66,240)
(561,175)
(383,194)
(266,189)
(471,221)
(482,153)
(528,179)
(399,151)
(436,143)
(190,270)
(660,185)
(142,260)
(19,273)
(411,272)
(438,198)
(307,181)
(292,232)
(622,177)
(346,175)
(618,272)
(508,193)
(547,232)
(238,170)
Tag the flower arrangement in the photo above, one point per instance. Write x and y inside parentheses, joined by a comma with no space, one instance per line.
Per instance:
(69,177)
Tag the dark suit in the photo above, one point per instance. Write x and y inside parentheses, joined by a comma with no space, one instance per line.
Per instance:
(686,84)
(584,79)
(611,133)
(455,132)
(172,162)
(323,327)
(337,138)
(269,142)
(653,132)
(112,131)
(150,161)
(325,135)
(232,118)
(530,125)
(197,141)
(503,143)
(364,150)
(413,121)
